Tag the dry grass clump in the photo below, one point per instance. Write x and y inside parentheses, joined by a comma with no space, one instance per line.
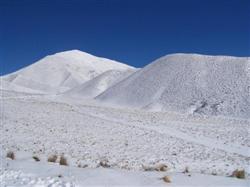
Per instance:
(104,163)
(148,168)
(36,158)
(186,170)
(214,173)
(166,179)
(240,174)
(52,158)
(10,155)
(82,166)
(159,167)
(63,161)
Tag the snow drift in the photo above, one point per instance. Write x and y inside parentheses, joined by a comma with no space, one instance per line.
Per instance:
(61,71)
(191,83)
(97,85)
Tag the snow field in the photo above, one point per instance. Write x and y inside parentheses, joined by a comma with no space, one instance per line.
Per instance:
(89,134)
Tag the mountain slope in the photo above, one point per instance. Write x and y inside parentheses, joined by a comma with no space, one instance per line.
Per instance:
(62,71)
(5,85)
(97,85)
(211,85)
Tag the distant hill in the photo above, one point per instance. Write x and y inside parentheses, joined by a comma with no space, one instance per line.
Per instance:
(189,83)
(60,72)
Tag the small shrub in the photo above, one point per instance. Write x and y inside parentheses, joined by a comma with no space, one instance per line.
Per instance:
(186,170)
(104,163)
(52,158)
(63,161)
(166,179)
(10,155)
(240,174)
(82,166)
(36,158)
(214,173)
(148,168)
(161,167)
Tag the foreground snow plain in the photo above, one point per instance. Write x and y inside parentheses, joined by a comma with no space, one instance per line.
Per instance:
(88,133)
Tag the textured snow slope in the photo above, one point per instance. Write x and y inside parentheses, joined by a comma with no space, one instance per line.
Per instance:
(128,139)
(62,71)
(6,85)
(211,85)
(94,87)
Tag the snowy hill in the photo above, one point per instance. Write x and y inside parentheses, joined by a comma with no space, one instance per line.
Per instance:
(191,83)
(97,85)
(62,71)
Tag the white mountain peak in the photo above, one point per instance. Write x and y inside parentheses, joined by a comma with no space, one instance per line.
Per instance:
(62,71)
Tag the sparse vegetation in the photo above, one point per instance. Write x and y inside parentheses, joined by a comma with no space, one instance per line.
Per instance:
(214,173)
(36,158)
(160,167)
(148,168)
(104,163)
(166,179)
(240,174)
(52,158)
(186,170)
(63,161)
(82,166)
(10,155)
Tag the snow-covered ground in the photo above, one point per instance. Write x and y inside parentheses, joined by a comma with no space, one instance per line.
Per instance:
(128,140)
(30,173)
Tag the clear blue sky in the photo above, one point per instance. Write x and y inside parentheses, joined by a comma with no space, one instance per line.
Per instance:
(131,31)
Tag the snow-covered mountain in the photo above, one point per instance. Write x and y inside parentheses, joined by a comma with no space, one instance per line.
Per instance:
(61,71)
(212,85)
(190,83)
(97,85)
